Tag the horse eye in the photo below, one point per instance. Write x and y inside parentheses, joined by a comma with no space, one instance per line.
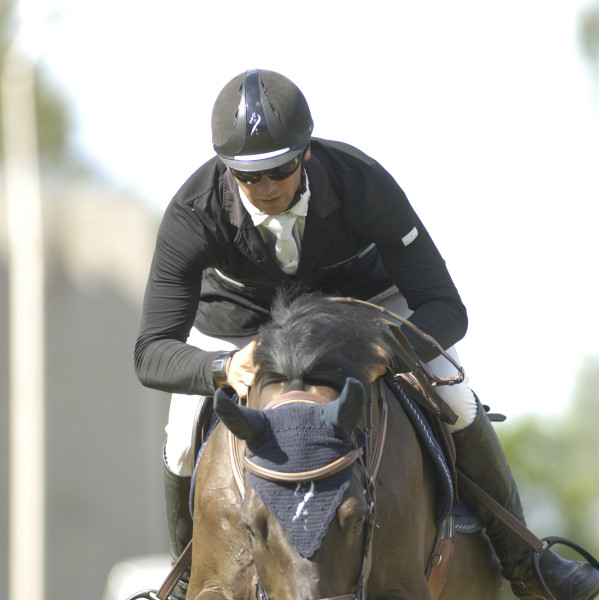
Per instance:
(358,525)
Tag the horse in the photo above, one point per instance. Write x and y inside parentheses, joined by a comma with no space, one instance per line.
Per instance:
(315,359)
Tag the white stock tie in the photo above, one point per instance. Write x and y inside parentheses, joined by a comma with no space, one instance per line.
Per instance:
(286,250)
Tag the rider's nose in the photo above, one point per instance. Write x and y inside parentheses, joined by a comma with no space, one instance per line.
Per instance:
(266,184)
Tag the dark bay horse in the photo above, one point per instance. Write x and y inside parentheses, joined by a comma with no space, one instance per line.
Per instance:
(312,352)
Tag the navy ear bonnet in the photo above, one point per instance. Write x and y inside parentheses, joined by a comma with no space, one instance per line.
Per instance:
(296,439)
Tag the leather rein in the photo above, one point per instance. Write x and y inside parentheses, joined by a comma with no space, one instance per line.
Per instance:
(368,457)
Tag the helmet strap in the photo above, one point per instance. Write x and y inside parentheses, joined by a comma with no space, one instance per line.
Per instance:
(300,190)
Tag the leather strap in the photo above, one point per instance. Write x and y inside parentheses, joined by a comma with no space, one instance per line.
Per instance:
(295,396)
(440,563)
(314,475)
(375,456)
(169,584)
(506,517)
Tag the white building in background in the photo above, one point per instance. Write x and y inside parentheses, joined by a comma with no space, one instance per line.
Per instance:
(104,431)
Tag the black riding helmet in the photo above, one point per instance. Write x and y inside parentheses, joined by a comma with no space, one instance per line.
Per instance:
(260,121)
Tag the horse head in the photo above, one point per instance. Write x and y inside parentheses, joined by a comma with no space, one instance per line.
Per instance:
(307,510)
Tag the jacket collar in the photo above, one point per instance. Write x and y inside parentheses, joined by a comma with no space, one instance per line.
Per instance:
(319,229)
(232,203)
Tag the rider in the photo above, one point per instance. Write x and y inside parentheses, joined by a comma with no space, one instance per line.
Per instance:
(276,208)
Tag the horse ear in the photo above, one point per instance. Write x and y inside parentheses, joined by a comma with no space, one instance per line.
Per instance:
(245,423)
(344,414)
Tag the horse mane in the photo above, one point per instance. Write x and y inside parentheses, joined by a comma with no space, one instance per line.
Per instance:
(317,340)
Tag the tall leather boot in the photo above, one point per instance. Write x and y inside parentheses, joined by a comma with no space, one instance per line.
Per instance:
(180,524)
(481,458)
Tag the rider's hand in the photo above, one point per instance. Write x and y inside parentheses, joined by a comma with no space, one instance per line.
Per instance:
(378,370)
(240,370)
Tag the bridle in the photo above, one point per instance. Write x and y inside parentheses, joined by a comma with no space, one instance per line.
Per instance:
(369,457)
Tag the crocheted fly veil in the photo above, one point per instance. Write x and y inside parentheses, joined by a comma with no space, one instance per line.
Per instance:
(296,439)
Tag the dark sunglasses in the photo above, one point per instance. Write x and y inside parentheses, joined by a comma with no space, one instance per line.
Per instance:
(276,174)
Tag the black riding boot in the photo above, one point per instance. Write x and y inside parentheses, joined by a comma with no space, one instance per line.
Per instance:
(180,524)
(481,458)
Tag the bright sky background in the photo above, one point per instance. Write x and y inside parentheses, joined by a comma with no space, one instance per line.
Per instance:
(481,110)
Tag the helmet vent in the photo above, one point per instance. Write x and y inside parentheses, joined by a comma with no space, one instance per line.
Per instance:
(258,126)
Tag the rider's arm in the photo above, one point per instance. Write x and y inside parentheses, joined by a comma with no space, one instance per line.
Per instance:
(414,264)
(163,359)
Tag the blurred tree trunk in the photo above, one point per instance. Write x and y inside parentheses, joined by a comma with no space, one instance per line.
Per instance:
(52,110)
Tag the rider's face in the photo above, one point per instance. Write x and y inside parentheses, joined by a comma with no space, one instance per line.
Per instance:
(270,196)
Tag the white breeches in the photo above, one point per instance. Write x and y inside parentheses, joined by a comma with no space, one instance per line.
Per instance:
(183,407)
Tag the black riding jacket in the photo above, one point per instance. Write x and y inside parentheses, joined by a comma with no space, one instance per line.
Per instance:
(211,267)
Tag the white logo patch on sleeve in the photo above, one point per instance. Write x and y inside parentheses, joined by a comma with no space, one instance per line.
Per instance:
(410,237)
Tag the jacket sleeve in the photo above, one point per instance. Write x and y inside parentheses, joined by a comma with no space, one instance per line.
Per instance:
(414,264)
(163,359)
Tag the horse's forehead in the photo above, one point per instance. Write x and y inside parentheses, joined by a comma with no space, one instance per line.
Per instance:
(260,395)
